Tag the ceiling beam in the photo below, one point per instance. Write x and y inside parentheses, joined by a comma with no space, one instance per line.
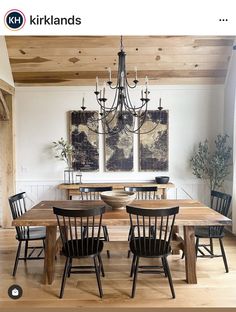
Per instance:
(6,87)
(6,114)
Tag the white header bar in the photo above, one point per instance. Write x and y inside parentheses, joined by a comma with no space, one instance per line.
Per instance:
(129,17)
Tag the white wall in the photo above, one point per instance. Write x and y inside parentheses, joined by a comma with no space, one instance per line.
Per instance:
(230,128)
(195,113)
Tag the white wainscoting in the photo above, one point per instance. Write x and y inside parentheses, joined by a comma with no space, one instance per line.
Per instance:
(47,190)
(40,190)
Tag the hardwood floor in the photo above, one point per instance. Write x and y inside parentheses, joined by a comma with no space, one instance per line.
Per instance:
(215,288)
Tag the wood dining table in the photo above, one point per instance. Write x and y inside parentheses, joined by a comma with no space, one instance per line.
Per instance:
(191,213)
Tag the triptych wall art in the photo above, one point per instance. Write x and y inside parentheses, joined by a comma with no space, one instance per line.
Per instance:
(118,148)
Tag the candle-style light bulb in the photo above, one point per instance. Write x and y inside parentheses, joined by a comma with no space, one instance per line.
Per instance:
(109,70)
(104,89)
(122,83)
(96,84)
(146,81)
(136,73)
(83,107)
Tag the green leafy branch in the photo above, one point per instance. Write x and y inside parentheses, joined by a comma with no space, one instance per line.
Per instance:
(64,151)
(213,167)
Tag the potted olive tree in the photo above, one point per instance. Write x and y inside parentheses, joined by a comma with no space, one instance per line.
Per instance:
(213,166)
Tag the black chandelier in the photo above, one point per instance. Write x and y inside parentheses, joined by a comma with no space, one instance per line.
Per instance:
(122,115)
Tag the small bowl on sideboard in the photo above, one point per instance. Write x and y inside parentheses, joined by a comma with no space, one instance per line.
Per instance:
(162,179)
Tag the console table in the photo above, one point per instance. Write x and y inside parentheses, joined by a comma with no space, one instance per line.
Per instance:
(73,189)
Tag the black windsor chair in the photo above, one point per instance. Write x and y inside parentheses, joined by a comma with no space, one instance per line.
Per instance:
(76,245)
(93,193)
(142,193)
(150,238)
(25,233)
(220,202)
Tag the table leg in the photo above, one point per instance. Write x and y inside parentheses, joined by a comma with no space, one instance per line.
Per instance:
(164,193)
(190,255)
(175,237)
(50,252)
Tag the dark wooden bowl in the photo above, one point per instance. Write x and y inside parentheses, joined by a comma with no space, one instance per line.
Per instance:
(162,180)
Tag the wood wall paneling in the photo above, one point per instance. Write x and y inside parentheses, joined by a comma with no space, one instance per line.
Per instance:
(7,162)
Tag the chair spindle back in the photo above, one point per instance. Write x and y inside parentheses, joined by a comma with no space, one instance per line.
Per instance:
(93,193)
(18,208)
(151,229)
(220,202)
(143,192)
(71,222)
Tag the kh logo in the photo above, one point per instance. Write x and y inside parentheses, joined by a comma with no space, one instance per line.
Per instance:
(14,19)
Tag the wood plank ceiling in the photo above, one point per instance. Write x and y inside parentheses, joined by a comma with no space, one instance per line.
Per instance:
(77,60)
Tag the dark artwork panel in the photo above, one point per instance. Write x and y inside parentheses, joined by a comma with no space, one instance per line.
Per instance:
(84,140)
(154,147)
(119,146)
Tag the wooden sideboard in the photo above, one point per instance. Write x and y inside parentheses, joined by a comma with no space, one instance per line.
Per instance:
(73,189)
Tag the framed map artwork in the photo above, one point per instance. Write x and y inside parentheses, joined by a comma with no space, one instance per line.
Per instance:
(84,140)
(119,146)
(154,145)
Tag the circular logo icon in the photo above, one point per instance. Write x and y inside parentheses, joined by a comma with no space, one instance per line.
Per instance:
(14,19)
(15,291)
